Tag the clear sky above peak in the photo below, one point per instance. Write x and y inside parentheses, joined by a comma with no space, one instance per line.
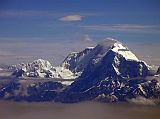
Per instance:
(41,20)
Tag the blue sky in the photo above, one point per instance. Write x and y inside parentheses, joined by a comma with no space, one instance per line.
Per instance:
(41,20)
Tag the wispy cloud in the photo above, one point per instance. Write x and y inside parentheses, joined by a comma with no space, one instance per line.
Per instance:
(25,13)
(124,28)
(71,18)
(87,38)
(32,13)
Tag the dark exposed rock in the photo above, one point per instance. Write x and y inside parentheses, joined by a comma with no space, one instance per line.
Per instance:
(158,71)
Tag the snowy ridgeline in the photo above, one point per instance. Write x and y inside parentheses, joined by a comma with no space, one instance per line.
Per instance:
(109,72)
(41,69)
(123,61)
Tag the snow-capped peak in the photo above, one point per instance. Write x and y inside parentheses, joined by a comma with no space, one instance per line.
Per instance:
(110,59)
(110,54)
(115,58)
(90,58)
(38,68)
(116,46)
(42,63)
(124,51)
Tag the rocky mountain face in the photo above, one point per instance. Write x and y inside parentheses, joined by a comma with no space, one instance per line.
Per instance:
(113,90)
(108,90)
(109,72)
(158,71)
(36,91)
(110,59)
(77,61)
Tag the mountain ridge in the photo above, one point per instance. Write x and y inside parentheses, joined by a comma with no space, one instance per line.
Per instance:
(109,72)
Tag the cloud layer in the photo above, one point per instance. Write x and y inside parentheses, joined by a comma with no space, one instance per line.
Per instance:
(71,18)
(124,28)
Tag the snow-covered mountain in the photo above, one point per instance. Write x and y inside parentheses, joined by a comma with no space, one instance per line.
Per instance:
(109,59)
(113,73)
(41,68)
(77,61)
(110,51)
(115,59)
(110,56)
(109,72)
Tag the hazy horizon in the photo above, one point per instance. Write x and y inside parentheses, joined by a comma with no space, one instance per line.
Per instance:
(83,110)
(57,51)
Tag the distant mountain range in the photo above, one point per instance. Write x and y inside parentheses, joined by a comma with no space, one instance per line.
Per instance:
(41,69)
(109,72)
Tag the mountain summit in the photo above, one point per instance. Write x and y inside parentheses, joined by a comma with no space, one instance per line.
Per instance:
(109,72)
(116,59)
(112,73)
(110,59)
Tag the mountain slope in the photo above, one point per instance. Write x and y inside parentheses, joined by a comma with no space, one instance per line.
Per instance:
(110,59)
(109,72)
(77,61)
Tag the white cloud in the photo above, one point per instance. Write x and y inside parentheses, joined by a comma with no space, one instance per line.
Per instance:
(124,28)
(71,18)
